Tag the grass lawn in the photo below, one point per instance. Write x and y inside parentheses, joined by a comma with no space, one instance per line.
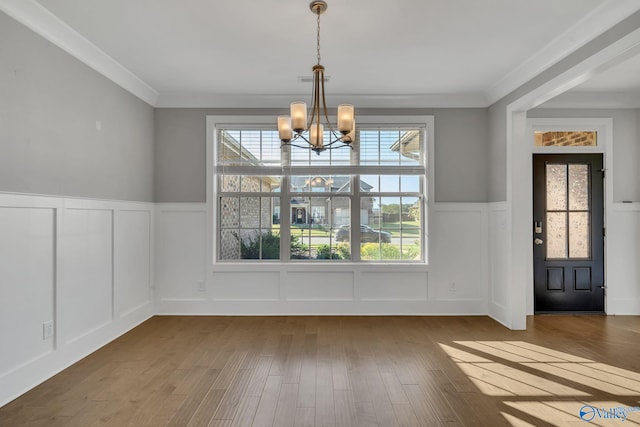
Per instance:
(409,228)
(298,230)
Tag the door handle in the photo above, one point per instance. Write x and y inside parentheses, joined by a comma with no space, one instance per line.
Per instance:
(538,241)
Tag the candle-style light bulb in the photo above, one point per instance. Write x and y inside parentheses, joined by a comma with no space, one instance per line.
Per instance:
(284,128)
(316,133)
(345,118)
(298,116)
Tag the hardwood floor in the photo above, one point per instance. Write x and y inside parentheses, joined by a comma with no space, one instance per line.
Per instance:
(347,371)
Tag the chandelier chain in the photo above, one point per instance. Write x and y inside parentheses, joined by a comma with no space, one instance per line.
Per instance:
(318,37)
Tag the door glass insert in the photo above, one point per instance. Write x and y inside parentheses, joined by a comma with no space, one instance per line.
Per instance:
(579,235)
(568,213)
(578,187)
(556,235)
(556,187)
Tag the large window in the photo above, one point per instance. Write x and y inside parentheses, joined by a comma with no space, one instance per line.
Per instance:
(290,204)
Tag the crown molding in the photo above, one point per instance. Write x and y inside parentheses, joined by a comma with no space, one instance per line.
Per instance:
(211,100)
(40,20)
(595,23)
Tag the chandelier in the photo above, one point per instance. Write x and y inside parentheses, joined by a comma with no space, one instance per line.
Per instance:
(296,128)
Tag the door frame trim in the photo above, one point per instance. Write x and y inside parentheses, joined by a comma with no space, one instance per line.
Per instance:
(604,127)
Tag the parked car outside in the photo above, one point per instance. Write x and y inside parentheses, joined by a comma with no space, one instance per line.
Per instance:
(367,234)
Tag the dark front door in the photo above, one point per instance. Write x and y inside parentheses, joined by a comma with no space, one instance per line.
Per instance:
(568,233)
(298,215)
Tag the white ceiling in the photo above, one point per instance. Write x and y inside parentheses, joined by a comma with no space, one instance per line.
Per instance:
(401,53)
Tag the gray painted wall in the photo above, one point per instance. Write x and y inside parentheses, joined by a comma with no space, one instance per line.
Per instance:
(461,155)
(626,146)
(461,151)
(50,143)
(497,152)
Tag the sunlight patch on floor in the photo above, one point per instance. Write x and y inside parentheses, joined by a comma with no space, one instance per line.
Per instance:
(508,369)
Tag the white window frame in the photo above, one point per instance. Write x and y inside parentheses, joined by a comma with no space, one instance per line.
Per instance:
(215,122)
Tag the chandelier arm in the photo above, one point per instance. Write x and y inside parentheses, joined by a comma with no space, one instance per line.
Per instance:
(338,138)
(329,146)
(302,137)
(326,147)
(316,105)
(324,108)
(314,100)
(293,145)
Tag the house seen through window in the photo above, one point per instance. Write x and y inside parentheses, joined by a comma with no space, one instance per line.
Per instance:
(290,204)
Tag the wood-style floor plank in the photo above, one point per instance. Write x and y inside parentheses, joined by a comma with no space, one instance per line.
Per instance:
(305,417)
(266,412)
(344,371)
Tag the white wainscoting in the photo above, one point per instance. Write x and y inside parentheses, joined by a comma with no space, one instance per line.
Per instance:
(91,267)
(499,292)
(85,265)
(623,259)
(454,282)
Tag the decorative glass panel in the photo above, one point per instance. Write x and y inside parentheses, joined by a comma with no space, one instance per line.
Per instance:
(578,187)
(565,139)
(556,235)
(556,187)
(579,241)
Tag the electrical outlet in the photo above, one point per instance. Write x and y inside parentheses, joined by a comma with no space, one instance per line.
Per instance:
(452,286)
(47,329)
(201,287)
